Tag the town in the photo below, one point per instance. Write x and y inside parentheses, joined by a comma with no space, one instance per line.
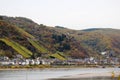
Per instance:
(19,60)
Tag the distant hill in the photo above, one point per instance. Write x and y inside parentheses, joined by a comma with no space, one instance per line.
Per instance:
(41,39)
(92,29)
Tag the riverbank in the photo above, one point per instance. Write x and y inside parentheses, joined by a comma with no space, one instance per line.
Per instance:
(94,78)
(53,66)
(24,67)
(91,76)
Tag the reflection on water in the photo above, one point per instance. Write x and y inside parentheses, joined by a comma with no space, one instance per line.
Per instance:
(44,74)
(95,78)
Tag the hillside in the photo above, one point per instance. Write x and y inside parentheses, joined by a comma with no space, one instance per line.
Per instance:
(52,40)
(14,41)
(41,39)
(96,40)
(9,33)
(103,40)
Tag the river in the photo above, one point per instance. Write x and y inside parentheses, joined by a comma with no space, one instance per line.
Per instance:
(44,74)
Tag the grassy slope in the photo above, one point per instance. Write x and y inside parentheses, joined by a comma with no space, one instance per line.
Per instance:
(19,48)
(44,50)
(38,46)
(24,33)
(58,56)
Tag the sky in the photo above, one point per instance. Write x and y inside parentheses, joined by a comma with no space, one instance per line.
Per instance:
(73,14)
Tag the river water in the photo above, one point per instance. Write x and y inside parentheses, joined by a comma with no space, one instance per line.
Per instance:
(45,74)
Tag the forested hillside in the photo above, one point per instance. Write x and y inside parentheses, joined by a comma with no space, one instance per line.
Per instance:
(41,40)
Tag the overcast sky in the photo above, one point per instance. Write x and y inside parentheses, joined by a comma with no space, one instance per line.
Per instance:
(73,14)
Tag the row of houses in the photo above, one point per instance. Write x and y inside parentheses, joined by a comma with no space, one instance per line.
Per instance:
(113,61)
(21,61)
